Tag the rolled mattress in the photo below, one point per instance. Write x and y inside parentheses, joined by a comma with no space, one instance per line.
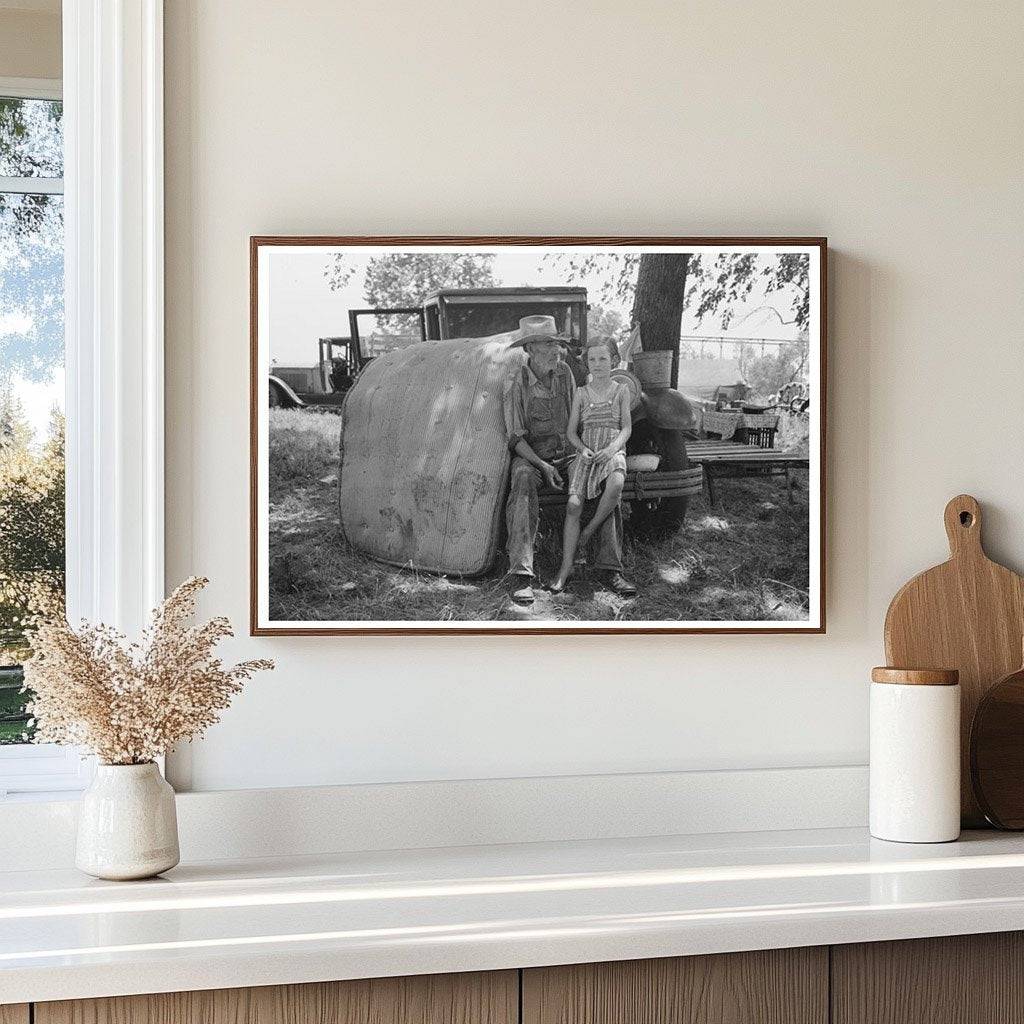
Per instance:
(425,457)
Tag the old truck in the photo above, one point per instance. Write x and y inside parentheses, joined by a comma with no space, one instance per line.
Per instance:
(451,313)
(413,490)
(321,386)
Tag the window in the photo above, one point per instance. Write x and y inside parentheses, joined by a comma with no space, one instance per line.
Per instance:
(32,487)
(92,172)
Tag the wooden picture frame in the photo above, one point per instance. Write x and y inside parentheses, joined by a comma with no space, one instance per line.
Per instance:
(262,248)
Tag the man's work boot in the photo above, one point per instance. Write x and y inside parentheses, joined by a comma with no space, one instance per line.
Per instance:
(621,586)
(521,589)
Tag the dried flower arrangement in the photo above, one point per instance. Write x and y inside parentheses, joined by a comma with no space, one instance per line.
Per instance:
(129,703)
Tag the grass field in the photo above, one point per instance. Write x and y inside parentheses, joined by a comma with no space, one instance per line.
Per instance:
(745,560)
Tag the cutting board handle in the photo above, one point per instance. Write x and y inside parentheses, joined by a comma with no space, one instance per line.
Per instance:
(963,526)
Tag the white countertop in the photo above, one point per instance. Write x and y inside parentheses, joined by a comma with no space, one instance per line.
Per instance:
(261,922)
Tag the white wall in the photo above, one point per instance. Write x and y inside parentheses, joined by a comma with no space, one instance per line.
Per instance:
(895,129)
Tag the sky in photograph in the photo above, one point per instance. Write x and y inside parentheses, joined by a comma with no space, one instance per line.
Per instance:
(303,308)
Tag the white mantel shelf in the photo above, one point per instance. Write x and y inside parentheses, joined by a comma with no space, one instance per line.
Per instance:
(264,922)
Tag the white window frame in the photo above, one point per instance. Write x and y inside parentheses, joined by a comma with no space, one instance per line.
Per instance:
(114,324)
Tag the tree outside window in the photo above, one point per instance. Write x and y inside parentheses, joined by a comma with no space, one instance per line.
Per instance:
(31,386)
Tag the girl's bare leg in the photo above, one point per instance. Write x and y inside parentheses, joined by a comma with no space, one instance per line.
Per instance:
(570,537)
(610,497)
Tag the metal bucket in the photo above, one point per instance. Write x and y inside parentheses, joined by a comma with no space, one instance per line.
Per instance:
(653,368)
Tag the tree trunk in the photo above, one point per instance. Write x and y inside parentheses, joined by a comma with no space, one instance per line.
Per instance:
(658,306)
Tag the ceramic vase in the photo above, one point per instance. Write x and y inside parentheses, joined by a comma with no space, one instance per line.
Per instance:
(127,825)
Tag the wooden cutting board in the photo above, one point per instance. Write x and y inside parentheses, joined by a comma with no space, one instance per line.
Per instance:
(967,614)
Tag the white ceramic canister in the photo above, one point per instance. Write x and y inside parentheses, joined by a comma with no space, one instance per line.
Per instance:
(915,755)
(127,825)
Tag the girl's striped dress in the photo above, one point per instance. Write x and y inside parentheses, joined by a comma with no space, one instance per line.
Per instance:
(599,423)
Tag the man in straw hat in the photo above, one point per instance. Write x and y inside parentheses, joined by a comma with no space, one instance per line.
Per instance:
(537,401)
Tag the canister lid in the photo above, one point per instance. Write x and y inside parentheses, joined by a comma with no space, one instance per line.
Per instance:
(916,676)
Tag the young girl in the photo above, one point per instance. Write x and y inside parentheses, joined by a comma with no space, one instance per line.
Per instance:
(599,426)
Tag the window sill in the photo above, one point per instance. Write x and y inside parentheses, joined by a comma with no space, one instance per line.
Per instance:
(43,771)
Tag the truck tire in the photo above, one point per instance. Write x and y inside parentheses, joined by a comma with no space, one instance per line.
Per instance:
(673,510)
(669,514)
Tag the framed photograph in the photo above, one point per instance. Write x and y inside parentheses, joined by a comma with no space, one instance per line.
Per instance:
(537,435)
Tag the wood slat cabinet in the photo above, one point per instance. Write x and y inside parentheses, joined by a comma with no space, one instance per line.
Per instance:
(968,979)
(481,998)
(961,979)
(775,986)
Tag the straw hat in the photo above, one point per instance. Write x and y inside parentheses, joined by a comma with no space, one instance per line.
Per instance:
(537,328)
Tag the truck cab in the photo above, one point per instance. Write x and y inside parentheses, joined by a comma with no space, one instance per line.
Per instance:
(449,313)
(321,386)
(467,313)
(481,312)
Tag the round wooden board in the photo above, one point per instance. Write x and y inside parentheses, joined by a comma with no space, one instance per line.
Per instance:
(997,752)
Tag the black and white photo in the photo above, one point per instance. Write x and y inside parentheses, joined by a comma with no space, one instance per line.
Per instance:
(537,435)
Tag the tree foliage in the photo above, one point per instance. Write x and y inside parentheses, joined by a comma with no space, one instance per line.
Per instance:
(603,322)
(617,272)
(728,283)
(767,374)
(407,279)
(31,525)
(715,288)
